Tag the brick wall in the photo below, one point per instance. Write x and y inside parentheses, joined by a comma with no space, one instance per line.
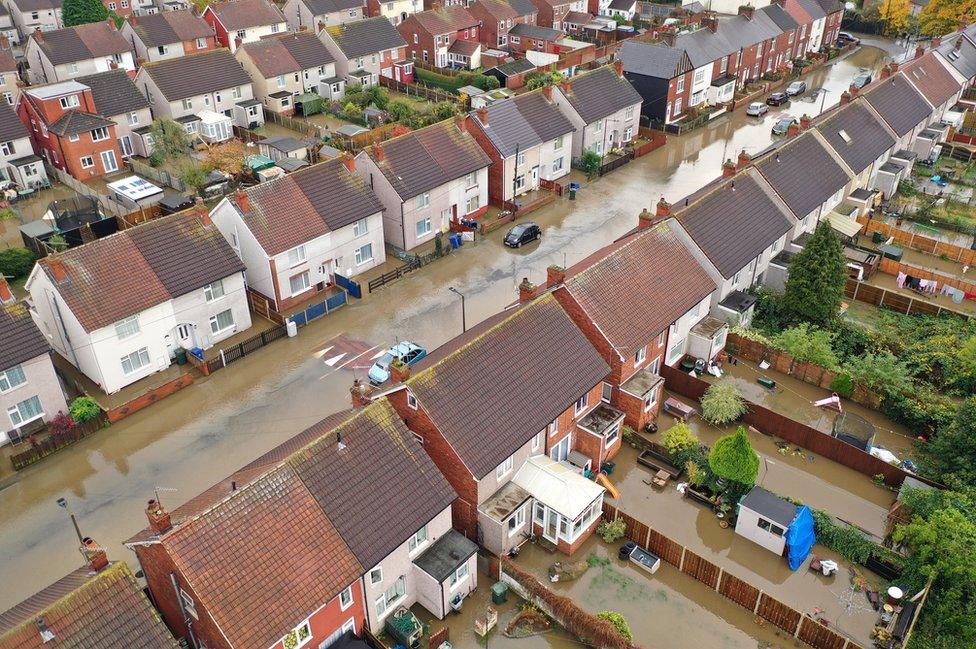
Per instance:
(149,398)
(496,172)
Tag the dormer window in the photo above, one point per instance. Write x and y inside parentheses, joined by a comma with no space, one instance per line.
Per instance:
(71,101)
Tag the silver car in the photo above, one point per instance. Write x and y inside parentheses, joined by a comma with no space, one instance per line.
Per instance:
(796,88)
(757,109)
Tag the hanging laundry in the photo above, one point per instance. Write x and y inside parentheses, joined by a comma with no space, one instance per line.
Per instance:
(958,296)
(970,296)
(947,290)
(900,280)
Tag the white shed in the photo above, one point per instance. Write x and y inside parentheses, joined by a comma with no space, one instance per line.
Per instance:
(764,517)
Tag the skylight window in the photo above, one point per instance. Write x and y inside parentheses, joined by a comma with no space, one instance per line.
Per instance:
(844,136)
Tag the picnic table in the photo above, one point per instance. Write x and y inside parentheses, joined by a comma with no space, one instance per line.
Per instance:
(678,409)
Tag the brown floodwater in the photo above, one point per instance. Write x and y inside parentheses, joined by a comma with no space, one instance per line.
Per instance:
(190,440)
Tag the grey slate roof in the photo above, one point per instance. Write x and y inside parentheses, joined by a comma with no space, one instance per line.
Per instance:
(600,93)
(241,14)
(168,27)
(733,226)
(901,106)
(537,32)
(857,135)
(769,505)
(515,66)
(285,53)
(20,339)
(423,160)
(81,43)
(803,173)
(38,5)
(11,128)
(779,16)
(319,7)
(114,93)
(813,8)
(74,122)
(960,52)
(654,59)
(623,5)
(196,74)
(524,121)
(524,7)
(364,37)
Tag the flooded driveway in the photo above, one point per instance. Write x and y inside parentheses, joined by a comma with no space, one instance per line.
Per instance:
(187,442)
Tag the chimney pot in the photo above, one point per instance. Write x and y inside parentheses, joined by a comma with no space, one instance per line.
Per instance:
(793,130)
(399,371)
(894,66)
(853,90)
(462,123)
(547,92)
(919,52)
(243,201)
(321,25)
(360,393)
(564,86)
(133,20)
(747,10)
(38,35)
(710,22)
(159,519)
(805,121)
(845,97)
(483,115)
(96,555)
(57,268)
(350,163)
(936,42)
(238,42)
(662,210)
(728,169)
(6,295)
(618,67)
(201,210)
(555,275)
(526,290)
(743,160)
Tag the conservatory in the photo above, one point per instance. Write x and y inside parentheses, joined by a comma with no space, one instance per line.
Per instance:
(215,127)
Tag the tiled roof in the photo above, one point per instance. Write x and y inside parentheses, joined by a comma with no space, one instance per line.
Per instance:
(524,7)
(733,224)
(446,20)
(363,37)
(292,52)
(901,106)
(515,66)
(464,47)
(241,14)
(499,9)
(601,93)
(106,610)
(307,204)
(7,61)
(803,173)
(74,122)
(11,128)
(798,12)
(578,18)
(320,7)
(960,52)
(197,74)
(114,92)
(857,135)
(507,381)
(662,280)
(163,259)
(654,59)
(524,121)
(537,32)
(20,339)
(813,8)
(423,160)
(623,5)
(780,17)
(81,42)
(168,27)
(931,78)
(37,5)
(830,6)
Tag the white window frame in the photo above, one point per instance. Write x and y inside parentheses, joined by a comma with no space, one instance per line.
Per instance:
(87,162)
(215,327)
(20,420)
(640,356)
(506,467)
(214,290)
(8,376)
(188,604)
(606,392)
(423,227)
(553,427)
(127,327)
(307,283)
(418,541)
(537,441)
(360,227)
(376,576)
(297,256)
(423,200)
(460,575)
(518,518)
(651,400)
(137,354)
(71,101)
(581,403)
(360,258)
(411,400)
(346,593)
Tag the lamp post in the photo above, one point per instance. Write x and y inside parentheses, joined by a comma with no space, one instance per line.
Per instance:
(823,99)
(464,324)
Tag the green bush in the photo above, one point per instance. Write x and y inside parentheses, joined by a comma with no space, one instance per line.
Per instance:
(84,409)
(400,110)
(618,621)
(733,458)
(16,262)
(843,385)
(922,411)
(611,531)
(722,403)
(847,541)
(679,438)
(808,344)
(590,162)
(882,372)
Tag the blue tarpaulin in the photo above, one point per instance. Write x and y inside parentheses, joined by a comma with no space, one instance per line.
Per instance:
(800,537)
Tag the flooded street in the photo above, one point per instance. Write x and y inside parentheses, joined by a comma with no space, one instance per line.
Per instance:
(188,441)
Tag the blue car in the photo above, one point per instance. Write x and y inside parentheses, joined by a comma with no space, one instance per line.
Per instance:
(407,352)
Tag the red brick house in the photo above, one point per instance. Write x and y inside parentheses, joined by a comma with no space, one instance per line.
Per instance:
(835,14)
(523,38)
(446,38)
(497,17)
(664,285)
(308,519)
(497,410)
(67,130)
(553,12)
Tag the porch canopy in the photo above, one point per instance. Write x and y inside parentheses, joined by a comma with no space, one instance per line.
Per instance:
(559,487)
(844,225)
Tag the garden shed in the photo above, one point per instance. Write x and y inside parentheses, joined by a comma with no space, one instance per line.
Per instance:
(776,524)
(309,104)
(855,430)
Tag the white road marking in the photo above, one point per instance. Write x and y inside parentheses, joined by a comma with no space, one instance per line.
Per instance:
(377,354)
(347,363)
(331,362)
(323,352)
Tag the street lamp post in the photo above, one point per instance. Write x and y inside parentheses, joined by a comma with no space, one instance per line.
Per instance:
(823,100)
(464,324)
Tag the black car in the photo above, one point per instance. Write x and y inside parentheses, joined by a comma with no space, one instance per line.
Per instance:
(777,99)
(521,234)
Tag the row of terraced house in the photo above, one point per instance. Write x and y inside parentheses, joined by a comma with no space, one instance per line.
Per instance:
(496,436)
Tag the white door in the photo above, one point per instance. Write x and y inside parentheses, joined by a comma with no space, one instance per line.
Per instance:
(560,451)
(552,525)
(126,145)
(109,162)
(535,177)
(184,335)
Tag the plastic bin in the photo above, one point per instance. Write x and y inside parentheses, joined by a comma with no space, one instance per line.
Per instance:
(499,592)
(572,193)
(180,356)
(877,237)
(455,240)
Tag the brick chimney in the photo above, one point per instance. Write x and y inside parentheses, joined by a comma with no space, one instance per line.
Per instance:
(747,10)
(159,521)
(728,169)
(399,371)
(111,23)
(555,275)
(526,290)
(894,66)
(133,20)
(361,394)
(919,52)
(462,123)
(743,160)
(6,295)
(350,163)
(379,152)
(238,42)
(140,61)
(710,22)
(662,210)
(38,35)
(57,268)
(936,42)
(668,35)
(321,25)
(885,72)
(95,554)
(547,93)
(853,90)
(618,67)
(805,121)
(793,130)
(483,115)
(565,87)
(4,43)
(845,98)
(201,209)
(243,200)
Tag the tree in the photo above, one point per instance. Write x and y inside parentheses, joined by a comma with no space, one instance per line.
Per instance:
(227,156)
(722,403)
(590,162)
(169,139)
(618,621)
(400,110)
(193,175)
(882,372)
(679,438)
(82,12)
(895,13)
(951,454)
(535,80)
(941,17)
(815,286)
(808,344)
(16,262)
(733,458)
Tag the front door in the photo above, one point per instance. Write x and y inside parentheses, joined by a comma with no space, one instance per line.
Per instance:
(109,162)
(184,336)
(535,177)
(552,525)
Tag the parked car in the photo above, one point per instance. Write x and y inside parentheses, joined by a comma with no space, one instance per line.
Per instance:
(843,38)
(757,109)
(405,351)
(783,125)
(796,88)
(521,234)
(777,99)
(861,79)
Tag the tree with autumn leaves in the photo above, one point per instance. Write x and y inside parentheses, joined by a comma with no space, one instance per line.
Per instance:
(941,17)
(896,15)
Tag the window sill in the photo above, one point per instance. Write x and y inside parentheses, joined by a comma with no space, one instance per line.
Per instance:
(14,388)
(455,586)
(365,261)
(28,421)
(301,292)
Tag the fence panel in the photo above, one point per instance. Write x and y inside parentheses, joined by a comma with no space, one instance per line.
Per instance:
(635,530)
(336,301)
(700,568)
(778,613)
(300,319)
(744,594)
(817,635)
(665,548)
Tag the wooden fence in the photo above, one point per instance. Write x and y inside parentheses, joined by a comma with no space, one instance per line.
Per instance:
(616,163)
(772,423)
(416,90)
(892,267)
(919,242)
(749,597)
(358,142)
(305,128)
(53,444)
(883,298)
(160,176)
(430,67)
(657,139)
